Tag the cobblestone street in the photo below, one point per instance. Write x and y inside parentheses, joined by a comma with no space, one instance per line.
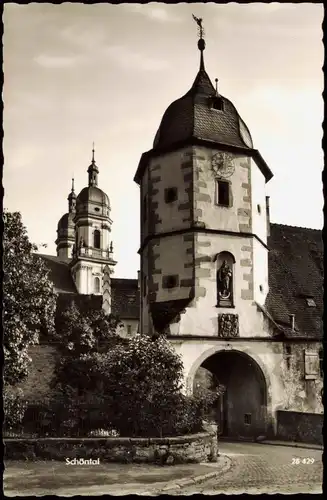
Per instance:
(260,468)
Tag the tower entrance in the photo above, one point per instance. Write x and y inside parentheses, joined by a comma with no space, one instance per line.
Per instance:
(241,411)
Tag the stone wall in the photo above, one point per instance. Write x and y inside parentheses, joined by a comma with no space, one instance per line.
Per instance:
(300,427)
(193,448)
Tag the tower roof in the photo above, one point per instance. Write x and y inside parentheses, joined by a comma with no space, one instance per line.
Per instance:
(194,116)
(202,117)
(66,222)
(93,194)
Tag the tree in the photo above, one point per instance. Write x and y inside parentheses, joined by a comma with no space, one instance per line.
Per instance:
(140,382)
(82,330)
(29,300)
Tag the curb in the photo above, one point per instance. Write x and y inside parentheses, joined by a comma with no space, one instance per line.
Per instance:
(172,486)
(293,445)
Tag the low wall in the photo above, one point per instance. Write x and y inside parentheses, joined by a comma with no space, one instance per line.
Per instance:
(194,448)
(300,427)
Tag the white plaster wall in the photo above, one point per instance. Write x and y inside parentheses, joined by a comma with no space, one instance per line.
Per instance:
(172,175)
(258,188)
(171,261)
(214,216)
(202,317)
(260,272)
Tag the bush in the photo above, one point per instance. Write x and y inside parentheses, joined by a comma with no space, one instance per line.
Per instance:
(14,408)
(134,388)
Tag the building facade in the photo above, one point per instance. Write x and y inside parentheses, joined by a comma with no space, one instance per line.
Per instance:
(239,297)
(84,265)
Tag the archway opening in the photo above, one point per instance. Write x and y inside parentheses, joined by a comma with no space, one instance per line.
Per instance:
(241,411)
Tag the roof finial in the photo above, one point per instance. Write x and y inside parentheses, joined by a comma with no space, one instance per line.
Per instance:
(93,161)
(201,42)
(73,183)
(216,80)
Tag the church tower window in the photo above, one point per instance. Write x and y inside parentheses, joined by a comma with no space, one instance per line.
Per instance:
(96,239)
(223,193)
(96,285)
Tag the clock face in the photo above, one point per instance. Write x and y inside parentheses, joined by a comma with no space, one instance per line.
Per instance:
(222,164)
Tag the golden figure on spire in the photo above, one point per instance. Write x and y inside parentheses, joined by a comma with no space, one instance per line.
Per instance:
(199,23)
(201,42)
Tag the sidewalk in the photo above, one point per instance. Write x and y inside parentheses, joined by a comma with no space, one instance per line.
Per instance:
(291,443)
(57,478)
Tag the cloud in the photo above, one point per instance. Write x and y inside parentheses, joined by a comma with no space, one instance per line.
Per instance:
(56,62)
(129,59)
(83,36)
(153,12)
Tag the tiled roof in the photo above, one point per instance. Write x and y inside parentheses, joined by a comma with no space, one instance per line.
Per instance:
(295,273)
(59,273)
(125,298)
(192,116)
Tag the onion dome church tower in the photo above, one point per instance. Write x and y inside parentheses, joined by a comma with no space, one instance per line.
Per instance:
(204,255)
(66,229)
(93,248)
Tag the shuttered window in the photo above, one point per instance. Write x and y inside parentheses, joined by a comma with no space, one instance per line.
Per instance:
(311,365)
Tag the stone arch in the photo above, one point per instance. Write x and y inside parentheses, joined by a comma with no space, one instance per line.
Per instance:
(244,409)
(245,351)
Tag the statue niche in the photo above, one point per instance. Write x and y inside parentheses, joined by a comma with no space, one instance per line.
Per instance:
(224,279)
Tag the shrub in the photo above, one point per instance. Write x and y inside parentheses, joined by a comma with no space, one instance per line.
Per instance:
(14,408)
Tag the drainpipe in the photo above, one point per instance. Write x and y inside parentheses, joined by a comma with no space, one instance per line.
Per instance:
(292,321)
(268,214)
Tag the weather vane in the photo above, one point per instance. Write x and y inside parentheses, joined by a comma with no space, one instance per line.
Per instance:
(200,27)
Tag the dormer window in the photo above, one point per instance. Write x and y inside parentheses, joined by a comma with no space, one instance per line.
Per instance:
(217,103)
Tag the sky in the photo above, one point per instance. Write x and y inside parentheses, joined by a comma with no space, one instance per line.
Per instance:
(77,73)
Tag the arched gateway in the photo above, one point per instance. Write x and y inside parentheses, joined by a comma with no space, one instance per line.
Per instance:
(242,411)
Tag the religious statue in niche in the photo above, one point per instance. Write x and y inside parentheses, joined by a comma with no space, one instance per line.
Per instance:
(228,325)
(224,285)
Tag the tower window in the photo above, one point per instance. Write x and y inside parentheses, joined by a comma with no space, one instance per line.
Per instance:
(144,286)
(259,209)
(217,103)
(96,285)
(96,239)
(170,194)
(223,193)
(97,209)
(129,329)
(170,281)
